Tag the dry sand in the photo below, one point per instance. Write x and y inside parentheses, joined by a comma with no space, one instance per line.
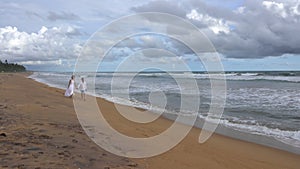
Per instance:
(39,129)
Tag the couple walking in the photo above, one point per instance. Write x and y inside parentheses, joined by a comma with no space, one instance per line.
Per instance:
(82,87)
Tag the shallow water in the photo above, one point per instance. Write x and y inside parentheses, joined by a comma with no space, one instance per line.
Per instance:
(263,104)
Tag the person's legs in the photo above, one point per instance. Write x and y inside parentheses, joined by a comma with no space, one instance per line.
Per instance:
(83,94)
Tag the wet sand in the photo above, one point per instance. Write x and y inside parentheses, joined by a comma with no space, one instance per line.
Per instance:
(39,129)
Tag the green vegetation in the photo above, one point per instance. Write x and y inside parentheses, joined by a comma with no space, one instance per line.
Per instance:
(11,67)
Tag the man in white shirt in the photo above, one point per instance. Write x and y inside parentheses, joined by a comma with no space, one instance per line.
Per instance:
(83,88)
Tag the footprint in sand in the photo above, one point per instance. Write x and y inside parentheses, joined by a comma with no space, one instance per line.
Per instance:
(3,135)
(45,137)
(3,106)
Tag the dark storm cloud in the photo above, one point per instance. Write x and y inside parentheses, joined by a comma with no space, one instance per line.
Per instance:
(257,29)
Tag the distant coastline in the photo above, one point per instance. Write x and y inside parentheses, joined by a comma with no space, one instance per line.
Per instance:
(271,72)
(11,67)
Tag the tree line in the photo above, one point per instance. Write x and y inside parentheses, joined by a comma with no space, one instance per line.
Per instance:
(11,67)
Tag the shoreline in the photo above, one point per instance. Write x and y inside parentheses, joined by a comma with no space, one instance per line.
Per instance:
(223,130)
(218,152)
(39,129)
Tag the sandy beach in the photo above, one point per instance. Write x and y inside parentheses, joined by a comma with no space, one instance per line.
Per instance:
(39,129)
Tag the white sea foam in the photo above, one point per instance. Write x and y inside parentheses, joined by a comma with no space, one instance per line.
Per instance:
(237,98)
(248,76)
(285,136)
(252,126)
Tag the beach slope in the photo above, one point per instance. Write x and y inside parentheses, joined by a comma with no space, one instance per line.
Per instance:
(39,129)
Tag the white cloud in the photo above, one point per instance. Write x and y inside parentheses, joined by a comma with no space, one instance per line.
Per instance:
(38,62)
(276,7)
(48,44)
(295,10)
(44,32)
(214,24)
(240,10)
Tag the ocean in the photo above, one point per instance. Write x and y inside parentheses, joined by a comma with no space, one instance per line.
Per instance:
(261,107)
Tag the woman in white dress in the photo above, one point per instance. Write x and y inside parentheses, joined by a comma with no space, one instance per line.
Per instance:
(70,90)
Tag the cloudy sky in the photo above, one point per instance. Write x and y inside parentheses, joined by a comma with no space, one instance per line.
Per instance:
(247,34)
